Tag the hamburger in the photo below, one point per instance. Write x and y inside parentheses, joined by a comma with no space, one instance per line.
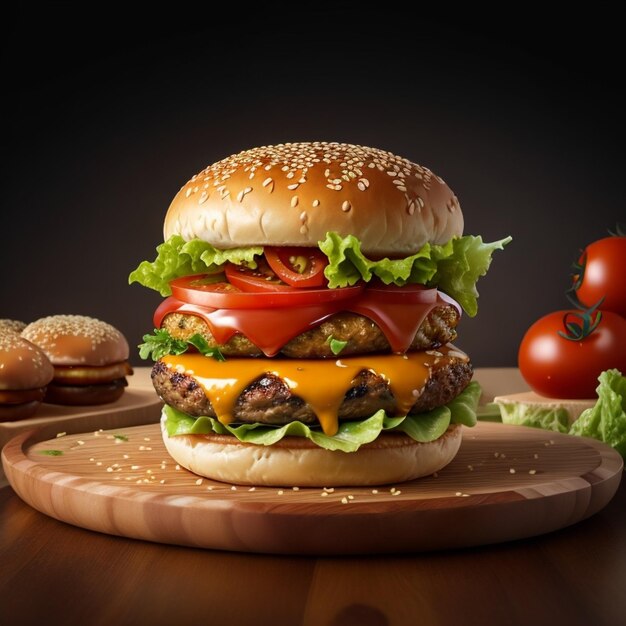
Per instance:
(312,294)
(25,371)
(90,358)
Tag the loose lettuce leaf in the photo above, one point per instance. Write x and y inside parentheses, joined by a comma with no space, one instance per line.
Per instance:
(454,268)
(177,257)
(606,420)
(351,435)
(489,412)
(556,418)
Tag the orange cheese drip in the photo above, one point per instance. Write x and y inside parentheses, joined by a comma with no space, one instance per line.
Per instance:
(320,383)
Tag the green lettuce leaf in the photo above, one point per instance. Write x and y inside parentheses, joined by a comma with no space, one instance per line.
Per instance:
(351,435)
(177,257)
(460,263)
(555,418)
(454,268)
(606,420)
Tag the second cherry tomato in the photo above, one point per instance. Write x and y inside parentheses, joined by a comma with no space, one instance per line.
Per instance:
(604,275)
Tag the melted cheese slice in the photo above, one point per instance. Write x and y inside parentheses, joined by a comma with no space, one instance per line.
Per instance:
(320,383)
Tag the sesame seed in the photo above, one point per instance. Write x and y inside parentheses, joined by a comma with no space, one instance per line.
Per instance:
(346,206)
(512,471)
(267,181)
(293,186)
(533,472)
(294,201)
(315,203)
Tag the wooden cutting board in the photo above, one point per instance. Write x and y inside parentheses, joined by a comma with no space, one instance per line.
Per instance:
(137,406)
(507,482)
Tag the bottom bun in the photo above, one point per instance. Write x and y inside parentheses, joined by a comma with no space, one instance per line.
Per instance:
(294,461)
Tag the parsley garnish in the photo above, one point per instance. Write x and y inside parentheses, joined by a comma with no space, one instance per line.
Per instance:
(161,343)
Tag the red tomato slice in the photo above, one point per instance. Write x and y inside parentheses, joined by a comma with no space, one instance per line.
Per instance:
(260,279)
(223,295)
(298,267)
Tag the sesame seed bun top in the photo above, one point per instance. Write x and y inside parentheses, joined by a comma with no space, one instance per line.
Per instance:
(22,364)
(15,326)
(293,194)
(77,340)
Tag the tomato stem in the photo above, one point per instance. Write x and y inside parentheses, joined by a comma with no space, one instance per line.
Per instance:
(587,319)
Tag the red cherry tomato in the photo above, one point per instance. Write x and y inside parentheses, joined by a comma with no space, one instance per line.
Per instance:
(604,275)
(298,267)
(557,367)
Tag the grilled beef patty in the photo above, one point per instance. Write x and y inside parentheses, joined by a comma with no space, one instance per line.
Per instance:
(361,334)
(268,399)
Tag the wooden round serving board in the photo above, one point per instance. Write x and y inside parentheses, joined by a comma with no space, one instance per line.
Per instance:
(507,482)
(138,405)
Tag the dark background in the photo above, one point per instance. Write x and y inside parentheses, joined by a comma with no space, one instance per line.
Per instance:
(107,114)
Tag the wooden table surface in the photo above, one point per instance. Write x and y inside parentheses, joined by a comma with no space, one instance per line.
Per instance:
(54,573)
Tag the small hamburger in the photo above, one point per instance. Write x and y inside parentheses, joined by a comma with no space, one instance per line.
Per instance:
(313,290)
(25,371)
(90,358)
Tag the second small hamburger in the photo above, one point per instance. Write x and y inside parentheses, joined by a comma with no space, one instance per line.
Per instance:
(90,358)
(313,292)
